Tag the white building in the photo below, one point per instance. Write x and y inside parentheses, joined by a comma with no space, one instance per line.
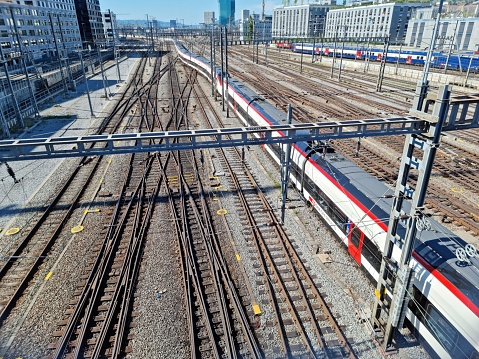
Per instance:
(371,22)
(260,28)
(244,15)
(27,23)
(455,34)
(209,17)
(110,27)
(299,21)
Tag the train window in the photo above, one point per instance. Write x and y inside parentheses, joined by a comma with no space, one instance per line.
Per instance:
(440,327)
(339,218)
(372,253)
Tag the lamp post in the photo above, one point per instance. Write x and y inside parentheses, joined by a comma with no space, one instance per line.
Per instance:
(86,83)
(114,45)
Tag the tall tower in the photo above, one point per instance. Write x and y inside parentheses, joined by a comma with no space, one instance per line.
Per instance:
(226,12)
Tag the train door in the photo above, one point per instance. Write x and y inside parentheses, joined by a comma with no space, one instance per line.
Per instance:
(355,242)
(358,54)
(379,57)
(409,59)
(326,51)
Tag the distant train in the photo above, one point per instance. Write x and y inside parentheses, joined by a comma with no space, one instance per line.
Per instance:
(444,301)
(405,56)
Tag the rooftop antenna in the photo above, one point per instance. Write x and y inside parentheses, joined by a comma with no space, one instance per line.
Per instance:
(262,14)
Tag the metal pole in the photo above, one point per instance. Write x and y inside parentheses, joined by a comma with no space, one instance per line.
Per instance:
(86,83)
(211,61)
(341,60)
(321,51)
(379,83)
(285,169)
(302,50)
(214,63)
(103,74)
(334,53)
(58,54)
(30,88)
(114,45)
(69,74)
(147,26)
(450,47)
(468,71)
(397,62)
(312,52)
(226,72)
(222,71)
(18,114)
(427,64)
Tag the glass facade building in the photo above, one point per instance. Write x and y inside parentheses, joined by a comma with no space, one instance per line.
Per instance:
(227,12)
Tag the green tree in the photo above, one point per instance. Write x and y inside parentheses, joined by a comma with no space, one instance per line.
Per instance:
(250,28)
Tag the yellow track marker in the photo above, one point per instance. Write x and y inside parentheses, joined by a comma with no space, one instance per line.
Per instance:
(77,229)
(238,257)
(12,231)
(47,277)
(256,309)
(457,190)
(221,211)
(96,210)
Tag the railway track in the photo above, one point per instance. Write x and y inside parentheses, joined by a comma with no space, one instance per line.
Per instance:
(35,241)
(305,323)
(98,323)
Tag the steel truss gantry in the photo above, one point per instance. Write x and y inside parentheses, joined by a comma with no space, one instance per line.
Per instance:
(97,145)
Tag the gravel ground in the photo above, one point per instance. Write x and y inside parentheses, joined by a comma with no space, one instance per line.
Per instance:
(160,325)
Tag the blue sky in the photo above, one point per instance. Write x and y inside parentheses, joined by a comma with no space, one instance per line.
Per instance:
(189,10)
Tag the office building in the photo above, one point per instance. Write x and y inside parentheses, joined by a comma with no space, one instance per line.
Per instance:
(209,17)
(27,23)
(371,22)
(227,12)
(244,15)
(91,23)
(457,34)
(260,29)
(110,27)
(299,21)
